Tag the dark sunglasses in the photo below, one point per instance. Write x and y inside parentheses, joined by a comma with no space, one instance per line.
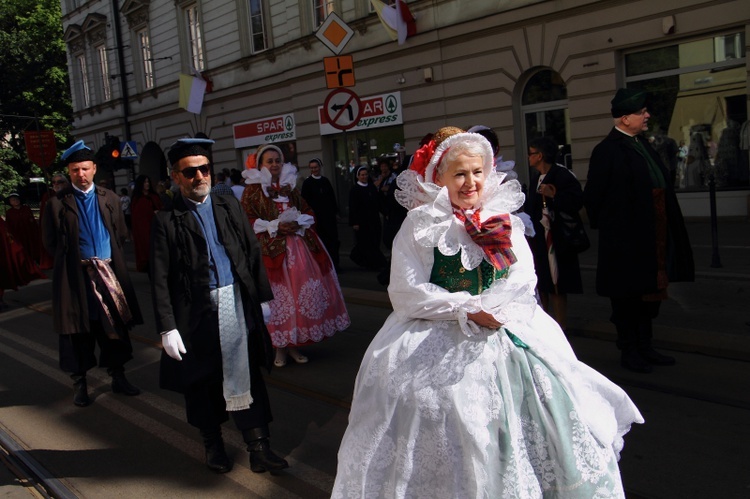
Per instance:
(191,171)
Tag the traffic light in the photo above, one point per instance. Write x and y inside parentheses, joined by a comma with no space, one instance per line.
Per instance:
(108,155)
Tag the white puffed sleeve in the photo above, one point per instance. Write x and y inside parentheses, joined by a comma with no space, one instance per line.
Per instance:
(411,292)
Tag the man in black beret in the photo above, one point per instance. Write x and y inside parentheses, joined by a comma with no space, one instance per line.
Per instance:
(208,283)
(93,300)
(643,243)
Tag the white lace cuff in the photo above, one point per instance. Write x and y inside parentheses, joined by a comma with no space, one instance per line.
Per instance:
(271,227)
(305,221)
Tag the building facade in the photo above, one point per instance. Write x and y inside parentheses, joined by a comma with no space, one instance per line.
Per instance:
(523,67)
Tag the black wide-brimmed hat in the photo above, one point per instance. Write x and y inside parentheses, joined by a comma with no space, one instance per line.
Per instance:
(628,101)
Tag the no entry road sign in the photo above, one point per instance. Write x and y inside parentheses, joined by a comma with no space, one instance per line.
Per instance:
(342,108)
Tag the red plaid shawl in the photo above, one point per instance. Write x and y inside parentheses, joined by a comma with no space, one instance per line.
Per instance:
(493,236)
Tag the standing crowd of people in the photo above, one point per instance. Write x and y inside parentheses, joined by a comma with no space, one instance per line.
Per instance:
(469,389)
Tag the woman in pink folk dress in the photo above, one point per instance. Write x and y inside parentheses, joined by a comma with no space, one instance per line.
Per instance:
(307,305)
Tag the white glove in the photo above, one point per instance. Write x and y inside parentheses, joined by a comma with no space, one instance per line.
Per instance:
(172,343)
(266,308)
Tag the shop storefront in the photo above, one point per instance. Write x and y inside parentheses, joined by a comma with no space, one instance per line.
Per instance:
(698,109)
(279,130)
(378,132)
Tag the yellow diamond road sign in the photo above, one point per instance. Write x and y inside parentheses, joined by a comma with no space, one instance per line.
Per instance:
(334,33)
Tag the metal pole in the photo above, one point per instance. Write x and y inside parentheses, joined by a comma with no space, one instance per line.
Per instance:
(715,262)
(121,66)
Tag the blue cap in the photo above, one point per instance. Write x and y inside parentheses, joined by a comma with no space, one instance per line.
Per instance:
(78,152)
(189,146)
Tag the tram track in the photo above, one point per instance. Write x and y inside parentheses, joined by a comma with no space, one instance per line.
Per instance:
(29,473)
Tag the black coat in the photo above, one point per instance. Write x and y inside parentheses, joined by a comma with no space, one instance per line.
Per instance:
(569,199)
(319,194)
(619,203)
(180,289)
(364,212)
(69,281)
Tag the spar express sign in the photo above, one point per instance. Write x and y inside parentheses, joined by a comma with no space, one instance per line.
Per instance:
(377,111)
(280,128)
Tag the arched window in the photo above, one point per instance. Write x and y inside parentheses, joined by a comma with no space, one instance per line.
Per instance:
(544,106)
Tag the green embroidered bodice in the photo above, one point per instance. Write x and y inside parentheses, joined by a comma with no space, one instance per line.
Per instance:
(448,273)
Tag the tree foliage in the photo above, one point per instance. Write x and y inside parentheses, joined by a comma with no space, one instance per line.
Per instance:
(33,83)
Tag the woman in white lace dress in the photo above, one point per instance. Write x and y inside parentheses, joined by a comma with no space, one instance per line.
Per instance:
(470,389)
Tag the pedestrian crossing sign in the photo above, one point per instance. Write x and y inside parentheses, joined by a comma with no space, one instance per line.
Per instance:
(128,150)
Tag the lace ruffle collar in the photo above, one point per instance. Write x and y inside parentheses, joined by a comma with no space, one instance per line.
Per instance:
(262,176)
(436,226)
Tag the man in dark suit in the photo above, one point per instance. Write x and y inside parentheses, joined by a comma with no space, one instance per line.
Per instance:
(643,244)
(208,284)
(93,300)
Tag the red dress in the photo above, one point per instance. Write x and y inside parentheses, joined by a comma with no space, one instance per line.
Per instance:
(308,305)
(24,229)
(142,212)
(16,268)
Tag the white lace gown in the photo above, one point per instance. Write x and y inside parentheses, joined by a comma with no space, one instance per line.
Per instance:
(443,408)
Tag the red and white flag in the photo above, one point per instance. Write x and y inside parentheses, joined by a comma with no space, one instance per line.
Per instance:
(397,19)
(407,25)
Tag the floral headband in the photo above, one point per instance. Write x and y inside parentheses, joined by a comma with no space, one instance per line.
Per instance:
(428,157)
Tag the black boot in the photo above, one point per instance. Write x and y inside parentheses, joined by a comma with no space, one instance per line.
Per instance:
(216,456)
(633,361)
(80,390)
(262,457)
(645,333)
(120,384)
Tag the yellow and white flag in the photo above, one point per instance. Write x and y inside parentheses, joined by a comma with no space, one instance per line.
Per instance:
(388,17)
(192,90)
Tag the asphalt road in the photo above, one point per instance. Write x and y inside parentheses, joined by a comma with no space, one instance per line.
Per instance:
(694,444)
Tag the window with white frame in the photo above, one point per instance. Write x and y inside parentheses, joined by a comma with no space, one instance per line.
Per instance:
(320,10)
(83,76)
(257,28)
(147,62)
(698,108)
(194,37)
(106,81)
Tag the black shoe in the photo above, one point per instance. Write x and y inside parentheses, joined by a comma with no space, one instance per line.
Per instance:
(656,358)
(217,459)
(632,361)
(80,392)
(263,459)
(120,384)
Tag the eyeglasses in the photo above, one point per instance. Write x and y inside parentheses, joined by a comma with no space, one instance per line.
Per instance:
(191,171)
(532,153)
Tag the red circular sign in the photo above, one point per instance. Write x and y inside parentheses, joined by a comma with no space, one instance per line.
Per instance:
(342,109)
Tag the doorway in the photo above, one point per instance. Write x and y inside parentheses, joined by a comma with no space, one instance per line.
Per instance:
(544,107)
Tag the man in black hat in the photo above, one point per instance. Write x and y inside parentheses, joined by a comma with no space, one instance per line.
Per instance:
(93,300)
(643,244)
(208,282)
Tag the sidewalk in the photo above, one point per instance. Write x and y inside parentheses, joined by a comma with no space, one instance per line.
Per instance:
(708,316)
